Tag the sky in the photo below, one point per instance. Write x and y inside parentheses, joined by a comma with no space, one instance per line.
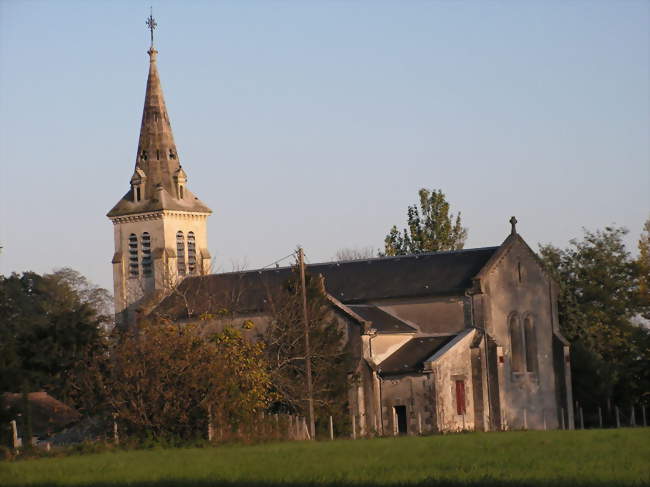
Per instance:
(315,123)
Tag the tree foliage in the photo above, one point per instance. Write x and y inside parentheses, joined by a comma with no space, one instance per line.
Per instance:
(48,325)
(644,269)
(599,300)
(331,361)
(431,228)
(355,253)
(166,380)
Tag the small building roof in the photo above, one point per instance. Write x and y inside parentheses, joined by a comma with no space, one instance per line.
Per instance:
(410,357)
(48,414)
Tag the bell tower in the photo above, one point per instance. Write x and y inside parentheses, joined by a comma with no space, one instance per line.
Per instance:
(160,227)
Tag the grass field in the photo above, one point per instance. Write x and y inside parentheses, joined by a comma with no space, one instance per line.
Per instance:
(558,458)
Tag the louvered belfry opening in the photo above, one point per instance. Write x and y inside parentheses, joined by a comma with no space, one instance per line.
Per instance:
(147,268)
(134,270)
(191,253)
(180,253)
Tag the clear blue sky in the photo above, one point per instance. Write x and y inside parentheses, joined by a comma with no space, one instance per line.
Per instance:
(315,122)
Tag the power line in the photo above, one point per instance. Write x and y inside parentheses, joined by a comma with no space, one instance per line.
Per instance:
(279,260)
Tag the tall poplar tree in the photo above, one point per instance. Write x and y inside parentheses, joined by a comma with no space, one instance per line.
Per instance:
(431,228)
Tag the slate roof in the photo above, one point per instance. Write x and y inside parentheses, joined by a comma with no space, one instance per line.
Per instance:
(381,321)
(351,282)
(410,356)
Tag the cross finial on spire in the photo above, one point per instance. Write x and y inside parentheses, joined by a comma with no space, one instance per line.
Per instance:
(513,222)
(151,24)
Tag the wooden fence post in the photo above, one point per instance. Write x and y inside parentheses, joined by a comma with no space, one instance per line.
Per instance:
(14,434)
(525,419)
(643,416)
(331,428)
(600,417)
(419,422)
(562,418)
(618,417)
(116,436)
(210,431)
(632,416)
(582,420)
(354,427)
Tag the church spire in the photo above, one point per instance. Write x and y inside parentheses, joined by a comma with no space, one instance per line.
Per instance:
(158,181)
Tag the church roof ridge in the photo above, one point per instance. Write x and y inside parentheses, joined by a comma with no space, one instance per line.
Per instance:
(350,261)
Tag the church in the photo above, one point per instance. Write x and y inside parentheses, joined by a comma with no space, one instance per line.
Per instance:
(444,341)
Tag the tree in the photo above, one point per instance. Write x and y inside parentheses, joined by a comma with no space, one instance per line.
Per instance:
(285,352)
(166,381)
(644,269)
(355,253)
(431,228)
(598,300)
(46,329)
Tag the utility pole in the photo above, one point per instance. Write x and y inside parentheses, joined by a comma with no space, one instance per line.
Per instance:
(310,391)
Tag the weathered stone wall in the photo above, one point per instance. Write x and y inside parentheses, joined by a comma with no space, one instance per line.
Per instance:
(162,228)
(517,285)
(451,364)
(415,392)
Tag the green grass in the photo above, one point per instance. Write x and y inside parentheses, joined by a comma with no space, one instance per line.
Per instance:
(554,458)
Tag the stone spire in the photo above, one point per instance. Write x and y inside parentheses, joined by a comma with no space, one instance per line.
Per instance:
(158,182)
(157,155)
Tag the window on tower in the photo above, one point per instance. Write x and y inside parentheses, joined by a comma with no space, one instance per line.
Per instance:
(147,267)
(180,253)
(191,253)
(134,268)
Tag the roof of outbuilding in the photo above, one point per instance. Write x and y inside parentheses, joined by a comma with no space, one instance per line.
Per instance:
(48,414)
(381,321)
(351,282)
(410,356)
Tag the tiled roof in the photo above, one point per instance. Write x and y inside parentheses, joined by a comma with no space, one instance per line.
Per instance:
(48,414)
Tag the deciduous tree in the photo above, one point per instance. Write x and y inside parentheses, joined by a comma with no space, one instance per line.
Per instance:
(599,300)
(166,380)
(47,326)
(285,352)
(431,228)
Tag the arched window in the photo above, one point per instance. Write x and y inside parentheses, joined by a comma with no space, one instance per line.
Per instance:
(146,255)
(516,343)
(531,344)
(134,270)
(191,253)
(180,253)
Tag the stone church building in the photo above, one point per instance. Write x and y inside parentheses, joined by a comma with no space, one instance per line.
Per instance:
(445,341)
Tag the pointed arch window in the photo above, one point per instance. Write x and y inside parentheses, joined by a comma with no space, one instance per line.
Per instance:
(531,344)
(134,268)
(147,267)
(180,253)
(516,343)
(191,253)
